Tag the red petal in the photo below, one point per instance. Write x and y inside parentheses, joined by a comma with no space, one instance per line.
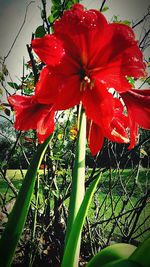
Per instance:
(115,39)
(32,115)
(70,94)
(95,137)
(49,49)
(133,132)
(77,20)
(24,107)
(117,130)
(132,62)
(54,80)
(80,27)
(111,77)
(48,86)
(53,87)
(98,104)
(138,106)
(116,56)
(45,126)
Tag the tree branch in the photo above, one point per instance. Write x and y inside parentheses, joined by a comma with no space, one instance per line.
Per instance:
(102,6)
(19,30)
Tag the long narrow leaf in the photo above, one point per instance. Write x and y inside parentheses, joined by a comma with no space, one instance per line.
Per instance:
(17,218)
(69,258)
(142,254)
(111,253)
(121,263)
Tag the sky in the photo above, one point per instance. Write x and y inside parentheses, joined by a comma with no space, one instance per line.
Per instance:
(12,13)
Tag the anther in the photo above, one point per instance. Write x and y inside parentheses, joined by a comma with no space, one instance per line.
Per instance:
(87,79)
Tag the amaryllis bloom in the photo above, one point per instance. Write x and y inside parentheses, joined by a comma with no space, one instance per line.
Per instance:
(84,58)
(32,115)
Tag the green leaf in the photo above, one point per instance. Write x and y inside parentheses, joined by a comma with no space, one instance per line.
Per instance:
(105,9)
(111,253)
(56,2)
(40,32)
(51,19)
(17,218)
(142,254)
(55,12)
(115,18)
(121,263)
(126,22)
(131,81)
(13,85)
(69,258)
(69,5)
(75,1)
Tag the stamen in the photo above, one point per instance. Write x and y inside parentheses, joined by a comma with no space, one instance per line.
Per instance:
(89,133)
(87,79)
(82,86)
(115,133)
(86,82)
(91,84)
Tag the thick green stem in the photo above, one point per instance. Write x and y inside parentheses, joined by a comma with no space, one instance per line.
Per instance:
(78,179)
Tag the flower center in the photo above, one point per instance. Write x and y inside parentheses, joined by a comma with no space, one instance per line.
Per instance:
(86,82)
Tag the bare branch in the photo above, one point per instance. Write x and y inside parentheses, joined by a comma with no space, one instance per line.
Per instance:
(141,20)
(103,3)
(14,190)
(18,31)
(33,64)
(144,38)
(44,16)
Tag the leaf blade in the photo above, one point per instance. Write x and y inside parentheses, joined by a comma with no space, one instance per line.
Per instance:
(18,216)
(70,249)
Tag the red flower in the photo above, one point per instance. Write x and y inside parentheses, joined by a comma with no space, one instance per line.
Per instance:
(84,58)
(95,56)
(32,115)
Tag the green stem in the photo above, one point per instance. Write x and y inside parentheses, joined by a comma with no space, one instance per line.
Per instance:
(78,178)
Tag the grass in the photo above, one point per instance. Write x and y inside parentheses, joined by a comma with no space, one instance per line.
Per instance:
(16,177)
(123,181)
